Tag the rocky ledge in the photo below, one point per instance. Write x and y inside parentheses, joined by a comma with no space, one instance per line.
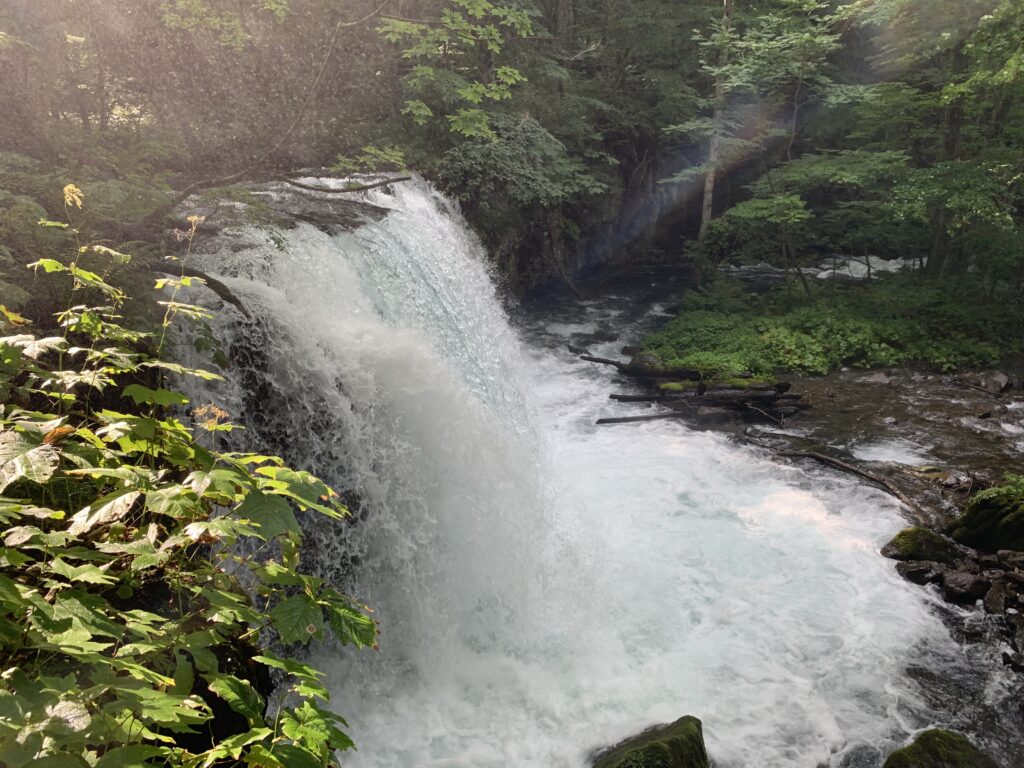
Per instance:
(978,560)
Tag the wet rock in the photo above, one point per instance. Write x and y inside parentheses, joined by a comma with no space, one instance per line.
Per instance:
(678,745)
(924,572)
(992,381)
(875,378)
(996,382)
(1016,576)
(939,749)
(988,561)
(862,756)
(1010,559)
(921,544)
(713,415)
(891,420)
(1014,661)
(995,598)
(993,520)
(963,587)
(630,351)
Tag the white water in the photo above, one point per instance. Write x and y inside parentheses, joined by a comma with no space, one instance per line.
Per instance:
(546,587)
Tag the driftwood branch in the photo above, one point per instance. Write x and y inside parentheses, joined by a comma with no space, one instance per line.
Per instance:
(635,419)
(603,361)
(212,283)
(644,398)
(766,415)
(886,485)
(356,188)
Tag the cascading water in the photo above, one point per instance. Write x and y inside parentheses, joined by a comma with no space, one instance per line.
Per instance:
(546,587)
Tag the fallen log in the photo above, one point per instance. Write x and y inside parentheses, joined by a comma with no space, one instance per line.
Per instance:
(635,419)
(883,483)
(356,188)
(645,398)
(603,361)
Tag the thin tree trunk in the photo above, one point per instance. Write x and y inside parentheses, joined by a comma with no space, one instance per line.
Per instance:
(715,145)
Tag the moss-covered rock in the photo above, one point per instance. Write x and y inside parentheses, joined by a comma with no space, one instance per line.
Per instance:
(940,749)
(920,544)
(678,745)
(994,519)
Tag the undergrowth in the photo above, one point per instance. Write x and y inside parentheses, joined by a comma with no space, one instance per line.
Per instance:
(890,321)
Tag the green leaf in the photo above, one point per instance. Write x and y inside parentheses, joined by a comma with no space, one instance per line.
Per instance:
(90,574)
(131,756)
(233,745)
(240,696)
(273,514)
(21,458)
(161,397)
(293,756)
(350,626)
(106,510)
(315,728)
(297,619)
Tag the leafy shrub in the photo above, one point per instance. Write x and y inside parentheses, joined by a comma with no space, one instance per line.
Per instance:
(128,616)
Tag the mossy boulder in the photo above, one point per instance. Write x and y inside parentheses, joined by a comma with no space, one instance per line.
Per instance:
(940,749)
(920,544)
(678,745)
(994,519)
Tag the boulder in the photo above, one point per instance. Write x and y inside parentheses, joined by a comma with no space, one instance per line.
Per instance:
(678,745)
(940,749)
(995,598)
(993,520)
(964,587)
(920,572)
(875,378)
(991,381)
(920,544)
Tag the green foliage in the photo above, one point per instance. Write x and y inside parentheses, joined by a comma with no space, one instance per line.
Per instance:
(521,168)
(994,518)
(127,607)
(445,49)
(371,160)
(894,322)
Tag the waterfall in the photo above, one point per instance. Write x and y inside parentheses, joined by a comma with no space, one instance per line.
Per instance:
(544,587)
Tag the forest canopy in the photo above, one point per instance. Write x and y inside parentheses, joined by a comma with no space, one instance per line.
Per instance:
(572,131)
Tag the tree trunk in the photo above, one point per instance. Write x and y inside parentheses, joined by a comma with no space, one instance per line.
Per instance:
(715,145)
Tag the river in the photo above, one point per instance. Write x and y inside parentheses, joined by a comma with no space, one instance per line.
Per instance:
(545,586)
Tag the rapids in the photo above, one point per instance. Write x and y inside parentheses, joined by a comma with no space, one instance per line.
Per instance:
(546,587)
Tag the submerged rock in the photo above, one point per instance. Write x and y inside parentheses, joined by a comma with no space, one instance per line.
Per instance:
(678,745)
(940,749)
(993,521)
(919,545)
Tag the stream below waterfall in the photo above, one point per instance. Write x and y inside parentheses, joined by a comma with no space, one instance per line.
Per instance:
(547,587)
